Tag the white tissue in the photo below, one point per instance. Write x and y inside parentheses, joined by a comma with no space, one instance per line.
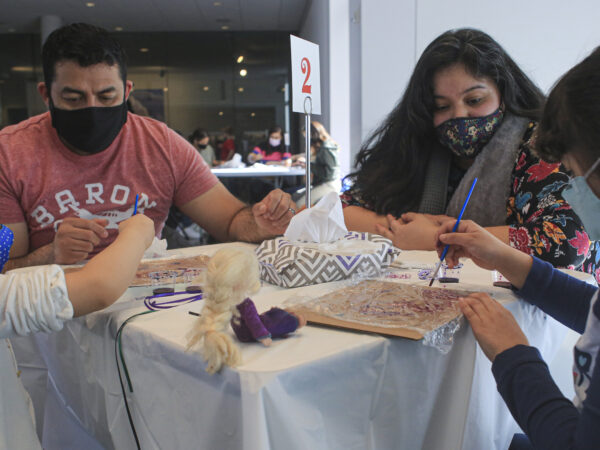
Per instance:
(158,249)
(234,163)
(322,223)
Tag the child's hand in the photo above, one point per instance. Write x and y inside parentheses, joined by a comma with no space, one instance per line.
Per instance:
(494,326)
(470,241)
(139,225)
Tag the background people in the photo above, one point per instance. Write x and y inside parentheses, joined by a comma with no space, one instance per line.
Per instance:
(227,148)
(201,141)
(271,151)
(324,165)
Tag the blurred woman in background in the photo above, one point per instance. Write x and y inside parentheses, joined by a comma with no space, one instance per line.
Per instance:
(201,141)
(324,165)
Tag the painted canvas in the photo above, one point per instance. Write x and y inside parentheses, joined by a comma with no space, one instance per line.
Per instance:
(396,309)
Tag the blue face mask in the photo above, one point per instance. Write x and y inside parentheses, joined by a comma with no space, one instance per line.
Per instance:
(6,240)
(585,203)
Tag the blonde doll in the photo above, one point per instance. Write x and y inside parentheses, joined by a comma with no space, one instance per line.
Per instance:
(231,275)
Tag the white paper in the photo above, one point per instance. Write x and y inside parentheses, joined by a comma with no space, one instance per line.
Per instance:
(234,163)
(322,223)
(157,249)
(306,76)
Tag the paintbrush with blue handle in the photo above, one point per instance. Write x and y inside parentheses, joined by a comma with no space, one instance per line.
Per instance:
(437,269)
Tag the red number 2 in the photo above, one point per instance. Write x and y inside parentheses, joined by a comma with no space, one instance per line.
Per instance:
(305,65)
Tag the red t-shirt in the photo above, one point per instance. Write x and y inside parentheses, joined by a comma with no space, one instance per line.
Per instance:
(227,148)
(42,181)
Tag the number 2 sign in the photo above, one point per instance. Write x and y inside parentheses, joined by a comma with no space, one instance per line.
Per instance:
(306,81)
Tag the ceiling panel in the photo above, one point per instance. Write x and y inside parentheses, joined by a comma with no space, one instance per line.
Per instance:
(22,16)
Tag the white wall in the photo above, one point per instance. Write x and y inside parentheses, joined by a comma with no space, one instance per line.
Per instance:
(339,72)
(545,37)
(327,23)
(387,57)
(316,29)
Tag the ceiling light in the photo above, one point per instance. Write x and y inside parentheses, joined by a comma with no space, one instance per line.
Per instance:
(118,28)
(240,89)
(243,72)
(224,27)
(252,114)
(205,88)
(220,113)
(90,4)
(22,69)
(144,50)
(240,59)
(165,89)
(217,3)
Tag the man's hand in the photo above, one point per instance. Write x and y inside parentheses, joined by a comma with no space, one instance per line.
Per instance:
(274,212)
(76,238)
(493,325)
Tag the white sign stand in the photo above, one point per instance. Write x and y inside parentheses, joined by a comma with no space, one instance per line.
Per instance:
(306,90)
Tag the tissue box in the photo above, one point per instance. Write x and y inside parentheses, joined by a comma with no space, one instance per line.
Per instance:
(289,264)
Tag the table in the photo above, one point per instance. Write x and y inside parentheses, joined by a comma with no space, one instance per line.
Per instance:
(319,389)
(261,170)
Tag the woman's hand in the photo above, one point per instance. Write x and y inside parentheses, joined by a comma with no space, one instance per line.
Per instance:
(411,232)
(298,161)
(493,325)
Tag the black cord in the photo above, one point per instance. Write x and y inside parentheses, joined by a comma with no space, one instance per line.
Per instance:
(119,351)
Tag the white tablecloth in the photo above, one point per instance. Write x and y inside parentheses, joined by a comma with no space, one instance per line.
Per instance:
(262,171)
(318,389)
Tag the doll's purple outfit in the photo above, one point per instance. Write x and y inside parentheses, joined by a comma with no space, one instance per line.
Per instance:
(251,326)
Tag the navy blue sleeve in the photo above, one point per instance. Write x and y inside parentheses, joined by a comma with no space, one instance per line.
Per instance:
(550,420)
(565,298)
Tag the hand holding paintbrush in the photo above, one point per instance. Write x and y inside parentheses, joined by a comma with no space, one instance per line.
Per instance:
(437,268)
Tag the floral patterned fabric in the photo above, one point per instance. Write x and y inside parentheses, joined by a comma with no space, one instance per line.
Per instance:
(540,221)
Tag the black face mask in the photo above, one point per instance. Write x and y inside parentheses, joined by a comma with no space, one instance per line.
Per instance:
(89,129)
(202,146)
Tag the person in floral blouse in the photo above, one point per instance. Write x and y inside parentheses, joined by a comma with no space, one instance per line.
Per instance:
(468,112)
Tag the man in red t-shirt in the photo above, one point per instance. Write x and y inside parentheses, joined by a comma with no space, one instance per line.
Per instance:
(68,177)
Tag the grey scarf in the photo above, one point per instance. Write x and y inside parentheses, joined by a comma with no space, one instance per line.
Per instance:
(493,167)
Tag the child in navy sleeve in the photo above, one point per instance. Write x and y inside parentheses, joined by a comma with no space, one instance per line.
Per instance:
(569,132)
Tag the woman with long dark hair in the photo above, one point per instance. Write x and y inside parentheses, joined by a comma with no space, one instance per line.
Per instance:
(468,111)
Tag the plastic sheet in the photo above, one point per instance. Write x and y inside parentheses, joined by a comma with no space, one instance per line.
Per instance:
(443,337)
(389,306)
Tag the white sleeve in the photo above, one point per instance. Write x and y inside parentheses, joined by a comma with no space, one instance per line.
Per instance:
(33,300)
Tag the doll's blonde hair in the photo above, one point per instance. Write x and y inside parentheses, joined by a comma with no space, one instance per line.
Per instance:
(231,275)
